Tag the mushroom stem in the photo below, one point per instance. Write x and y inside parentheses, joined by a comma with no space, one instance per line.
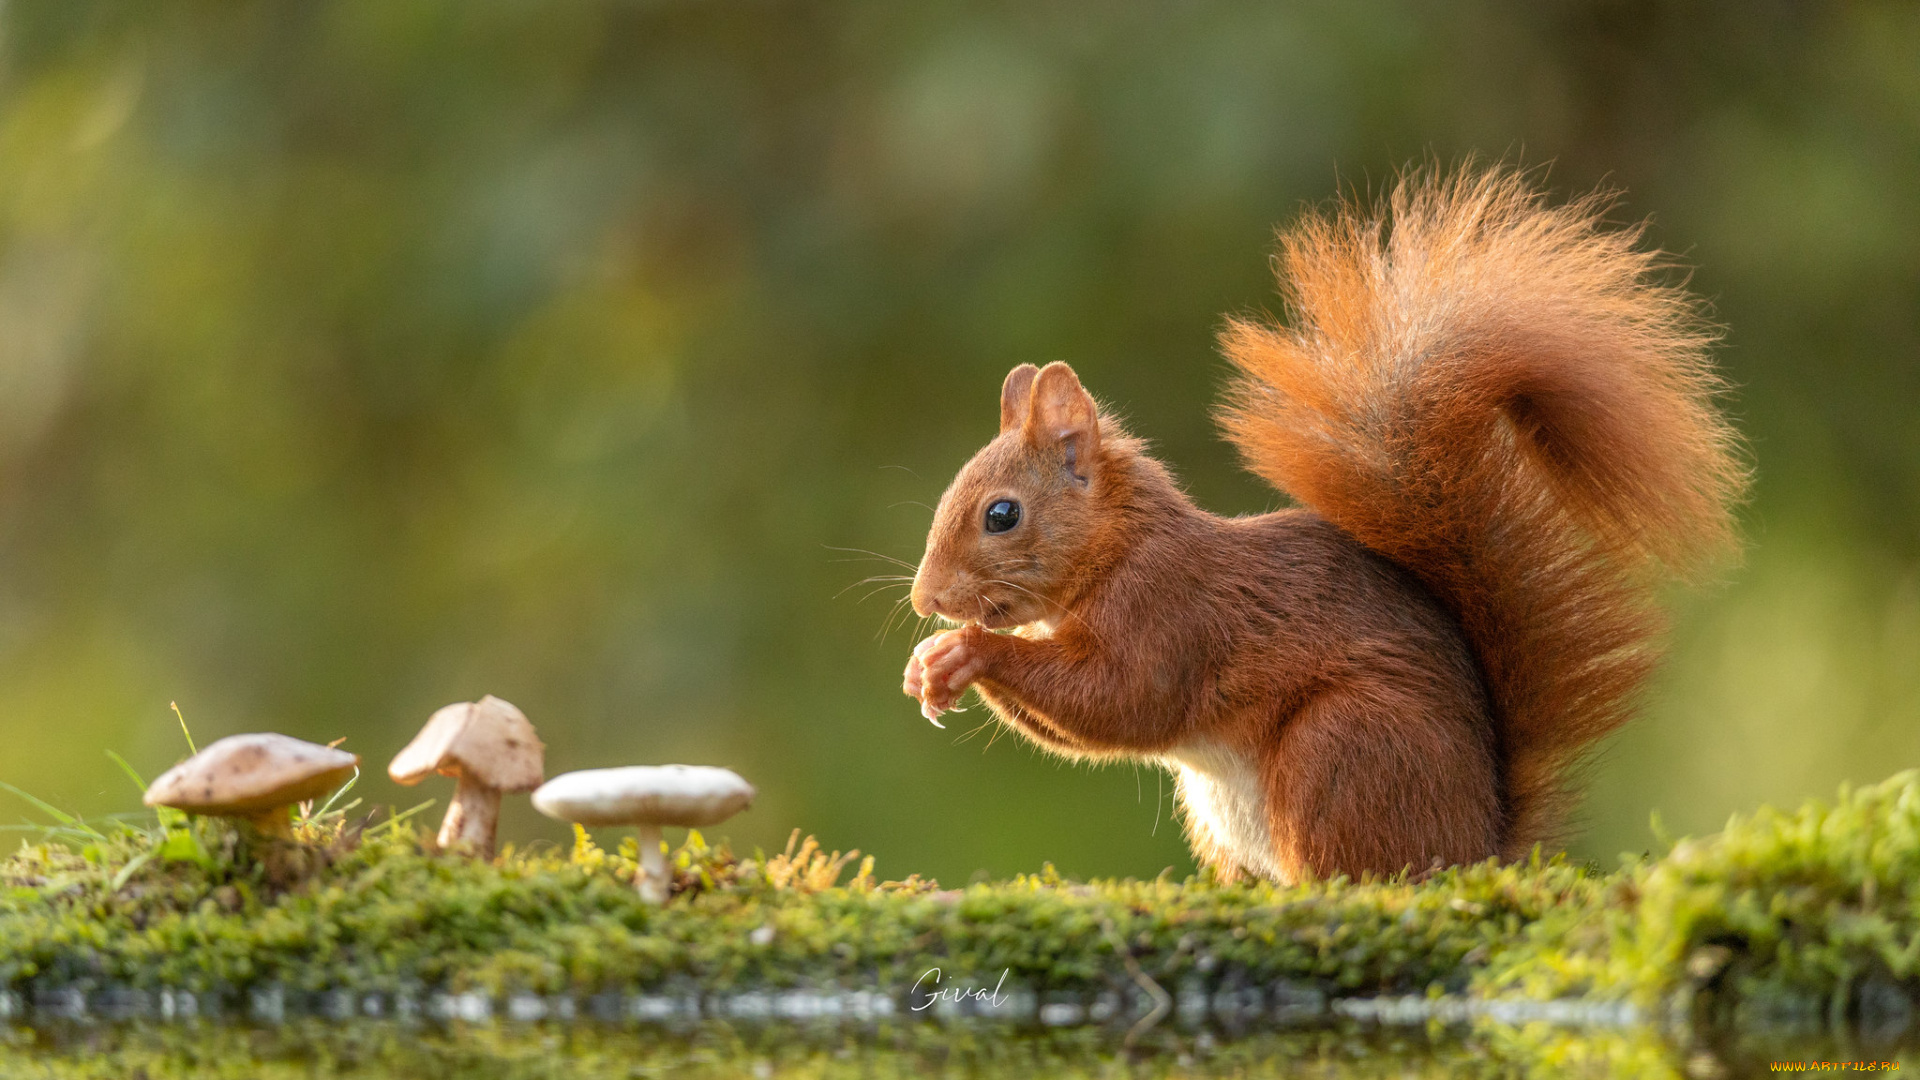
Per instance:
(276,823)
(651,882)
(472,818)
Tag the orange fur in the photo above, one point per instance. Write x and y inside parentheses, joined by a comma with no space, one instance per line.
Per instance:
(1499,426)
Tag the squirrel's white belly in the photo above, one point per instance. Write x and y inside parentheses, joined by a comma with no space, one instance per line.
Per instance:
(1221,791)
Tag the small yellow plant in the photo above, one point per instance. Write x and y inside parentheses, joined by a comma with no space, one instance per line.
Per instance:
(810,870)
(587,854)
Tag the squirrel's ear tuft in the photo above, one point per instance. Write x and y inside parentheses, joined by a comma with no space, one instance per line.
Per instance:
(1013,396)
(1062,411)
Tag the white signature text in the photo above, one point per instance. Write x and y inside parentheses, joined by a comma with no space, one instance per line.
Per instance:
(956,994)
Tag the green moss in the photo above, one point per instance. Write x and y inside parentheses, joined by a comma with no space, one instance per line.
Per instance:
(1780,915)
(1798,921)
(1786,916)
(384,916)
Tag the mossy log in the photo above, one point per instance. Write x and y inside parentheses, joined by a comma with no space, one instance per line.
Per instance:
(1807,919)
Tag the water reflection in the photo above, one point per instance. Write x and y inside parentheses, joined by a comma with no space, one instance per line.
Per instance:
(826,1050)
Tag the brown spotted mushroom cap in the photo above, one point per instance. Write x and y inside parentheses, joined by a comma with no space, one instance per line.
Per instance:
(488,741)
(251,774)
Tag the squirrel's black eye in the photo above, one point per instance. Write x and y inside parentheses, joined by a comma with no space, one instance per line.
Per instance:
(1002,515)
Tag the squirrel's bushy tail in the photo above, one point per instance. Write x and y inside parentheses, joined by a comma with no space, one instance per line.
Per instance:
(1498,395)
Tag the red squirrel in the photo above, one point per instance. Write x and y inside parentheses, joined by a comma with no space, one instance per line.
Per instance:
(1501,431)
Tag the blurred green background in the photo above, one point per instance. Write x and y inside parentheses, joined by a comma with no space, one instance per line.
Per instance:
(356,358)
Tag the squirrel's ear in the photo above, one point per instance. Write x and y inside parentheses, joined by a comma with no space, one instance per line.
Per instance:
(1013,396)
(1062,411)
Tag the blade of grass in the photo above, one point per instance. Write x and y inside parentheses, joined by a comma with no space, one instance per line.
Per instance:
(191,749)
(54,812)
(128,769)
(398,818)
(328,805)
(141,823)
(338,811)
(47,831)
(120,818)
(127,871)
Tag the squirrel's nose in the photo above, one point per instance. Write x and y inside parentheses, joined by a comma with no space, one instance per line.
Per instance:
(922,597)
(928,600)
(931,605)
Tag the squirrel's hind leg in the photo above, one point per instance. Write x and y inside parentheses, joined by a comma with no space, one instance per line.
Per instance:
(1370,780)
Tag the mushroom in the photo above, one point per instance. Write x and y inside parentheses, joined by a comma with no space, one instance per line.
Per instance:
(491,748)
(253,777)
(646,797)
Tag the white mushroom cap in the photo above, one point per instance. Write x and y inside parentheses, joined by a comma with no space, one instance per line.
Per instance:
(684,795)
(251,774)
(488,741)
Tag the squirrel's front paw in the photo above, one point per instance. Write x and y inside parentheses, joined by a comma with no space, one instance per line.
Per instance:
(916,679)
(942,668)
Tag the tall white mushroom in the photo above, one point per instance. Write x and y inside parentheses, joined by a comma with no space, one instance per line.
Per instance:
(647,797)
(491,748)
(253,777)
